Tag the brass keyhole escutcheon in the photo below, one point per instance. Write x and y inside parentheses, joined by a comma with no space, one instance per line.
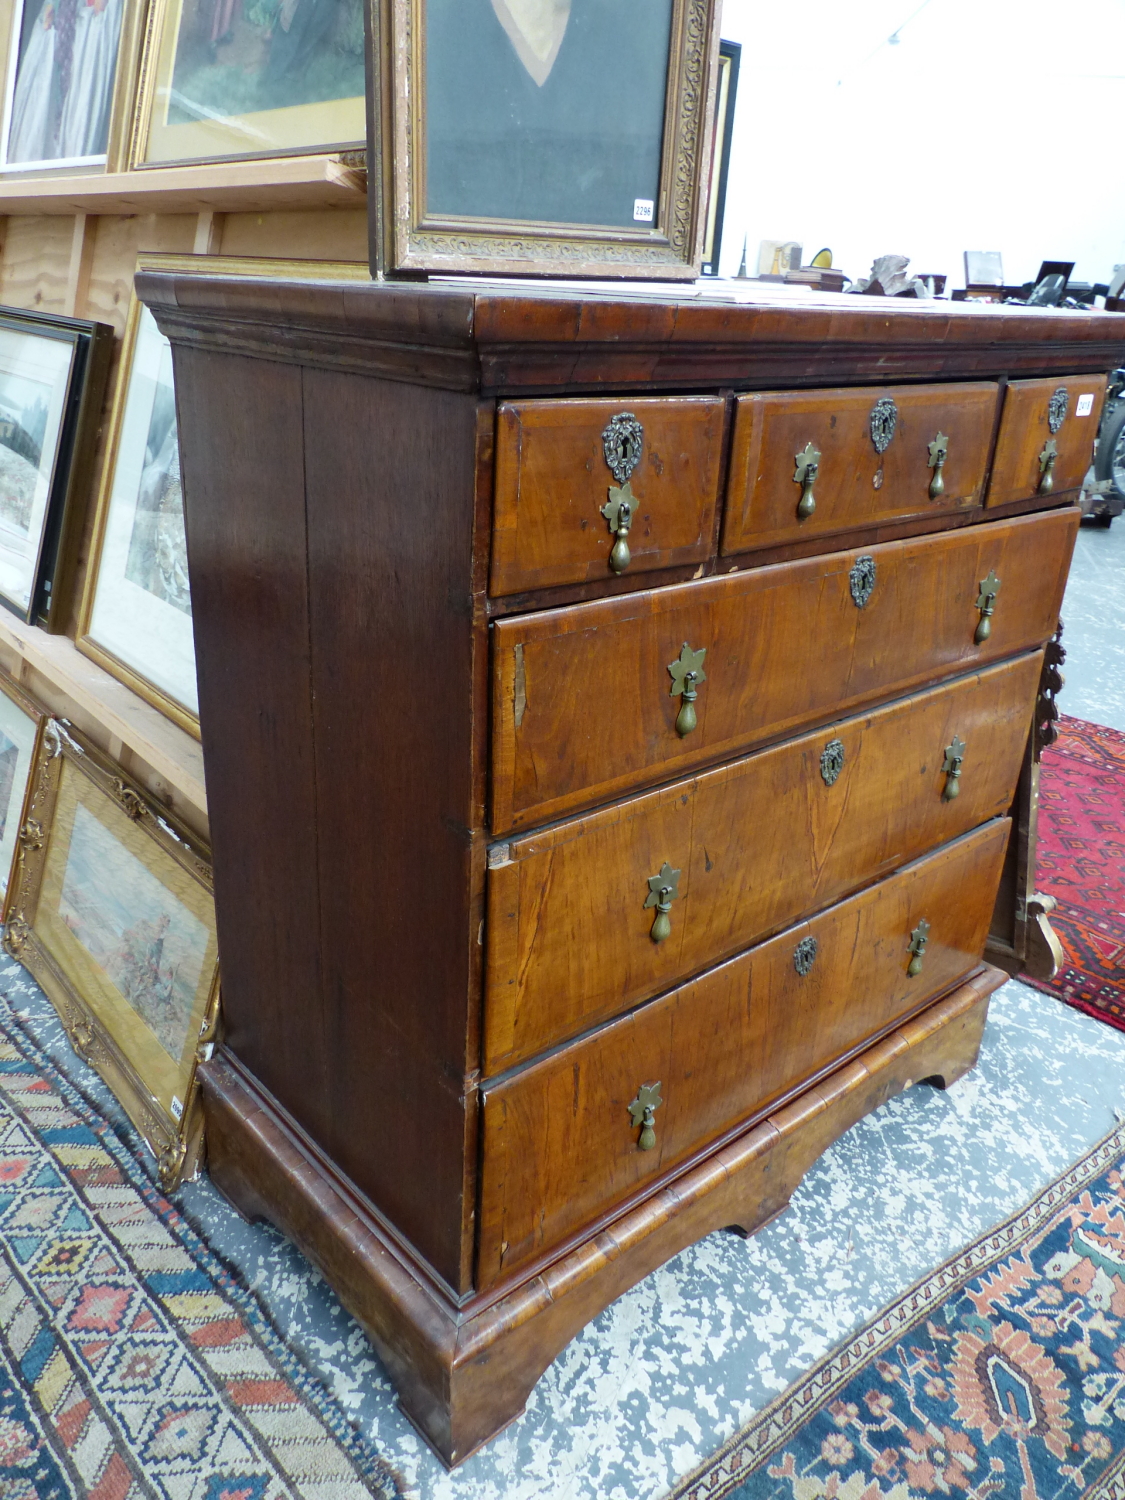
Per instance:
(642,1111)
(1047,460)
(687,673)
(622,442)
(808,466)
(939,452)
(663,889)
(986,603)
(918,940)
(951,766)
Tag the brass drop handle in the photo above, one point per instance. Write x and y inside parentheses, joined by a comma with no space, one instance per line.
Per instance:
(939,452)
(642,1111)
(618,511)
(663,889)
(808,466)
(622,442)
(687,673)
(1047,461)
(986,603)
(951,767)
(918,940)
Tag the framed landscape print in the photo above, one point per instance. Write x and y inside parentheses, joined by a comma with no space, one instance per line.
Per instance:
(232,78)
(21,726)
(111,910)
(553,137)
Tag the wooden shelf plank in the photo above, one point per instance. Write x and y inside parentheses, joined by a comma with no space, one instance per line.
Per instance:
(288,182)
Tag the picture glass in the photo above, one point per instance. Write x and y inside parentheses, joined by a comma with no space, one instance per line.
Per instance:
(142,606)
(257,78)
(18,734)
(60,81)
(546,110)
(34,381)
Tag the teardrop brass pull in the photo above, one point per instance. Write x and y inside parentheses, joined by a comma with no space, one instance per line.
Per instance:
(939,452)
(1047,461)
(642,1112)
(622,442)
(954,755)
(618,511)
(986,603)
(918,940)
(808,466)
(687,673)
(662,891)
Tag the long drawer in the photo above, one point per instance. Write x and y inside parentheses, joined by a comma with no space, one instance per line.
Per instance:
(560,1146)
(750,847)
(583,704)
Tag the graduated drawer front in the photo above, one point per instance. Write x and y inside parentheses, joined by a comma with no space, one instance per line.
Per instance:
(582,710)
(1025,431)
(552,480)
(757,844)
(559,1146)
(855,485)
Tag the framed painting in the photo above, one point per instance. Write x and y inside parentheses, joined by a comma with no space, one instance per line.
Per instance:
(726,90)
(21,728)
(543,137)
(111,910)
(223,79)
(52,380)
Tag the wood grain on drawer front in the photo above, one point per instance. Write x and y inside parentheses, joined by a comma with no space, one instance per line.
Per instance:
(1025,431)
(581,704)
(552,480)
(758,844)
(559,1147)
(854,485)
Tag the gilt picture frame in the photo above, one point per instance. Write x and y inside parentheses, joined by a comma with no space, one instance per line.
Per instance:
(112,912)
(540,137)
(21,729)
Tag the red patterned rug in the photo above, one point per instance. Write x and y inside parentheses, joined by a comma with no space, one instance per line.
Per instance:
(1081,862)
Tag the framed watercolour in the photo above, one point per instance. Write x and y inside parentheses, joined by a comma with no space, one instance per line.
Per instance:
(223,79)
(111,910)
(21,728)
(726,90)
(550,137)
(52,379)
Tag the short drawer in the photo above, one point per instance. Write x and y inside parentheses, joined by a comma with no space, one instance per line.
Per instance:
(583,698)
(751,847)
(1046,439)
(818,462)
(561,464)
(560,1147)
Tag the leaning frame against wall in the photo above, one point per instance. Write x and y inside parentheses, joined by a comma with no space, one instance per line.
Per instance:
(441,71)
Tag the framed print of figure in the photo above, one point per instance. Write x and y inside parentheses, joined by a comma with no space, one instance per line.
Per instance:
(21,726)
(563,137)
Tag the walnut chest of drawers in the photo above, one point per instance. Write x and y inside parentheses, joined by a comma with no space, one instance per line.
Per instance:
(612,710)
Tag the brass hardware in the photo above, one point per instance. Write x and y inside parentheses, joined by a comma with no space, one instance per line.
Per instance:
(986,603)
(642,1111)
(808,465)
(662,891)
(939,452)
(861,580)
(687,673)
(884,416)
(804,955)
(918,940)
(1057,408)
(951,767)
(622,441)
(1047,461)
(832,761)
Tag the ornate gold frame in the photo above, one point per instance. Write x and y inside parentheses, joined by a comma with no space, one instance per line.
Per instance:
(405,241)
(177,1145)
(28,705)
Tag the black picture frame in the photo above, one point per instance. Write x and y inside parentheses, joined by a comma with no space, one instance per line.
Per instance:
(726,90)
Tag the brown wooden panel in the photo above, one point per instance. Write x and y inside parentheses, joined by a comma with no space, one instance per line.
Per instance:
(568,935)
(581,704)
(552,480)
(559,1147)
(1025,430)
(855,485)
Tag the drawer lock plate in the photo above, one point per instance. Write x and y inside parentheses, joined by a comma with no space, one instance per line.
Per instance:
(804,955)
(954,755)
(808,466)
(884,419)
(832,761)
(861,580)
(662,891)
(986,603)
(918,940)
(939,452)
(687,673)
(642,1111)
(622,443)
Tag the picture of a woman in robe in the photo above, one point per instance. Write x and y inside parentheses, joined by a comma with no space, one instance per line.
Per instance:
(65,66)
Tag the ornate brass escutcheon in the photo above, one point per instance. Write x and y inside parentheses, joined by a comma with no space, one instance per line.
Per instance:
(662,891)
(642,1111)
(808,466)
(861,580)
(687,673)
(986,603)
(884,419)
(1057,408)
(832,761)
(939,452)
(1047,461)
(918,940)
(804,955)
(622,442)
(951,766)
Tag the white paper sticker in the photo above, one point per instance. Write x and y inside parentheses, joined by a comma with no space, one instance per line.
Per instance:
(177,1108)
(643,210)
(1085,405)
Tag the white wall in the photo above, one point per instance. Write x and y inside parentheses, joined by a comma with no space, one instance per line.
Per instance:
(989,125)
